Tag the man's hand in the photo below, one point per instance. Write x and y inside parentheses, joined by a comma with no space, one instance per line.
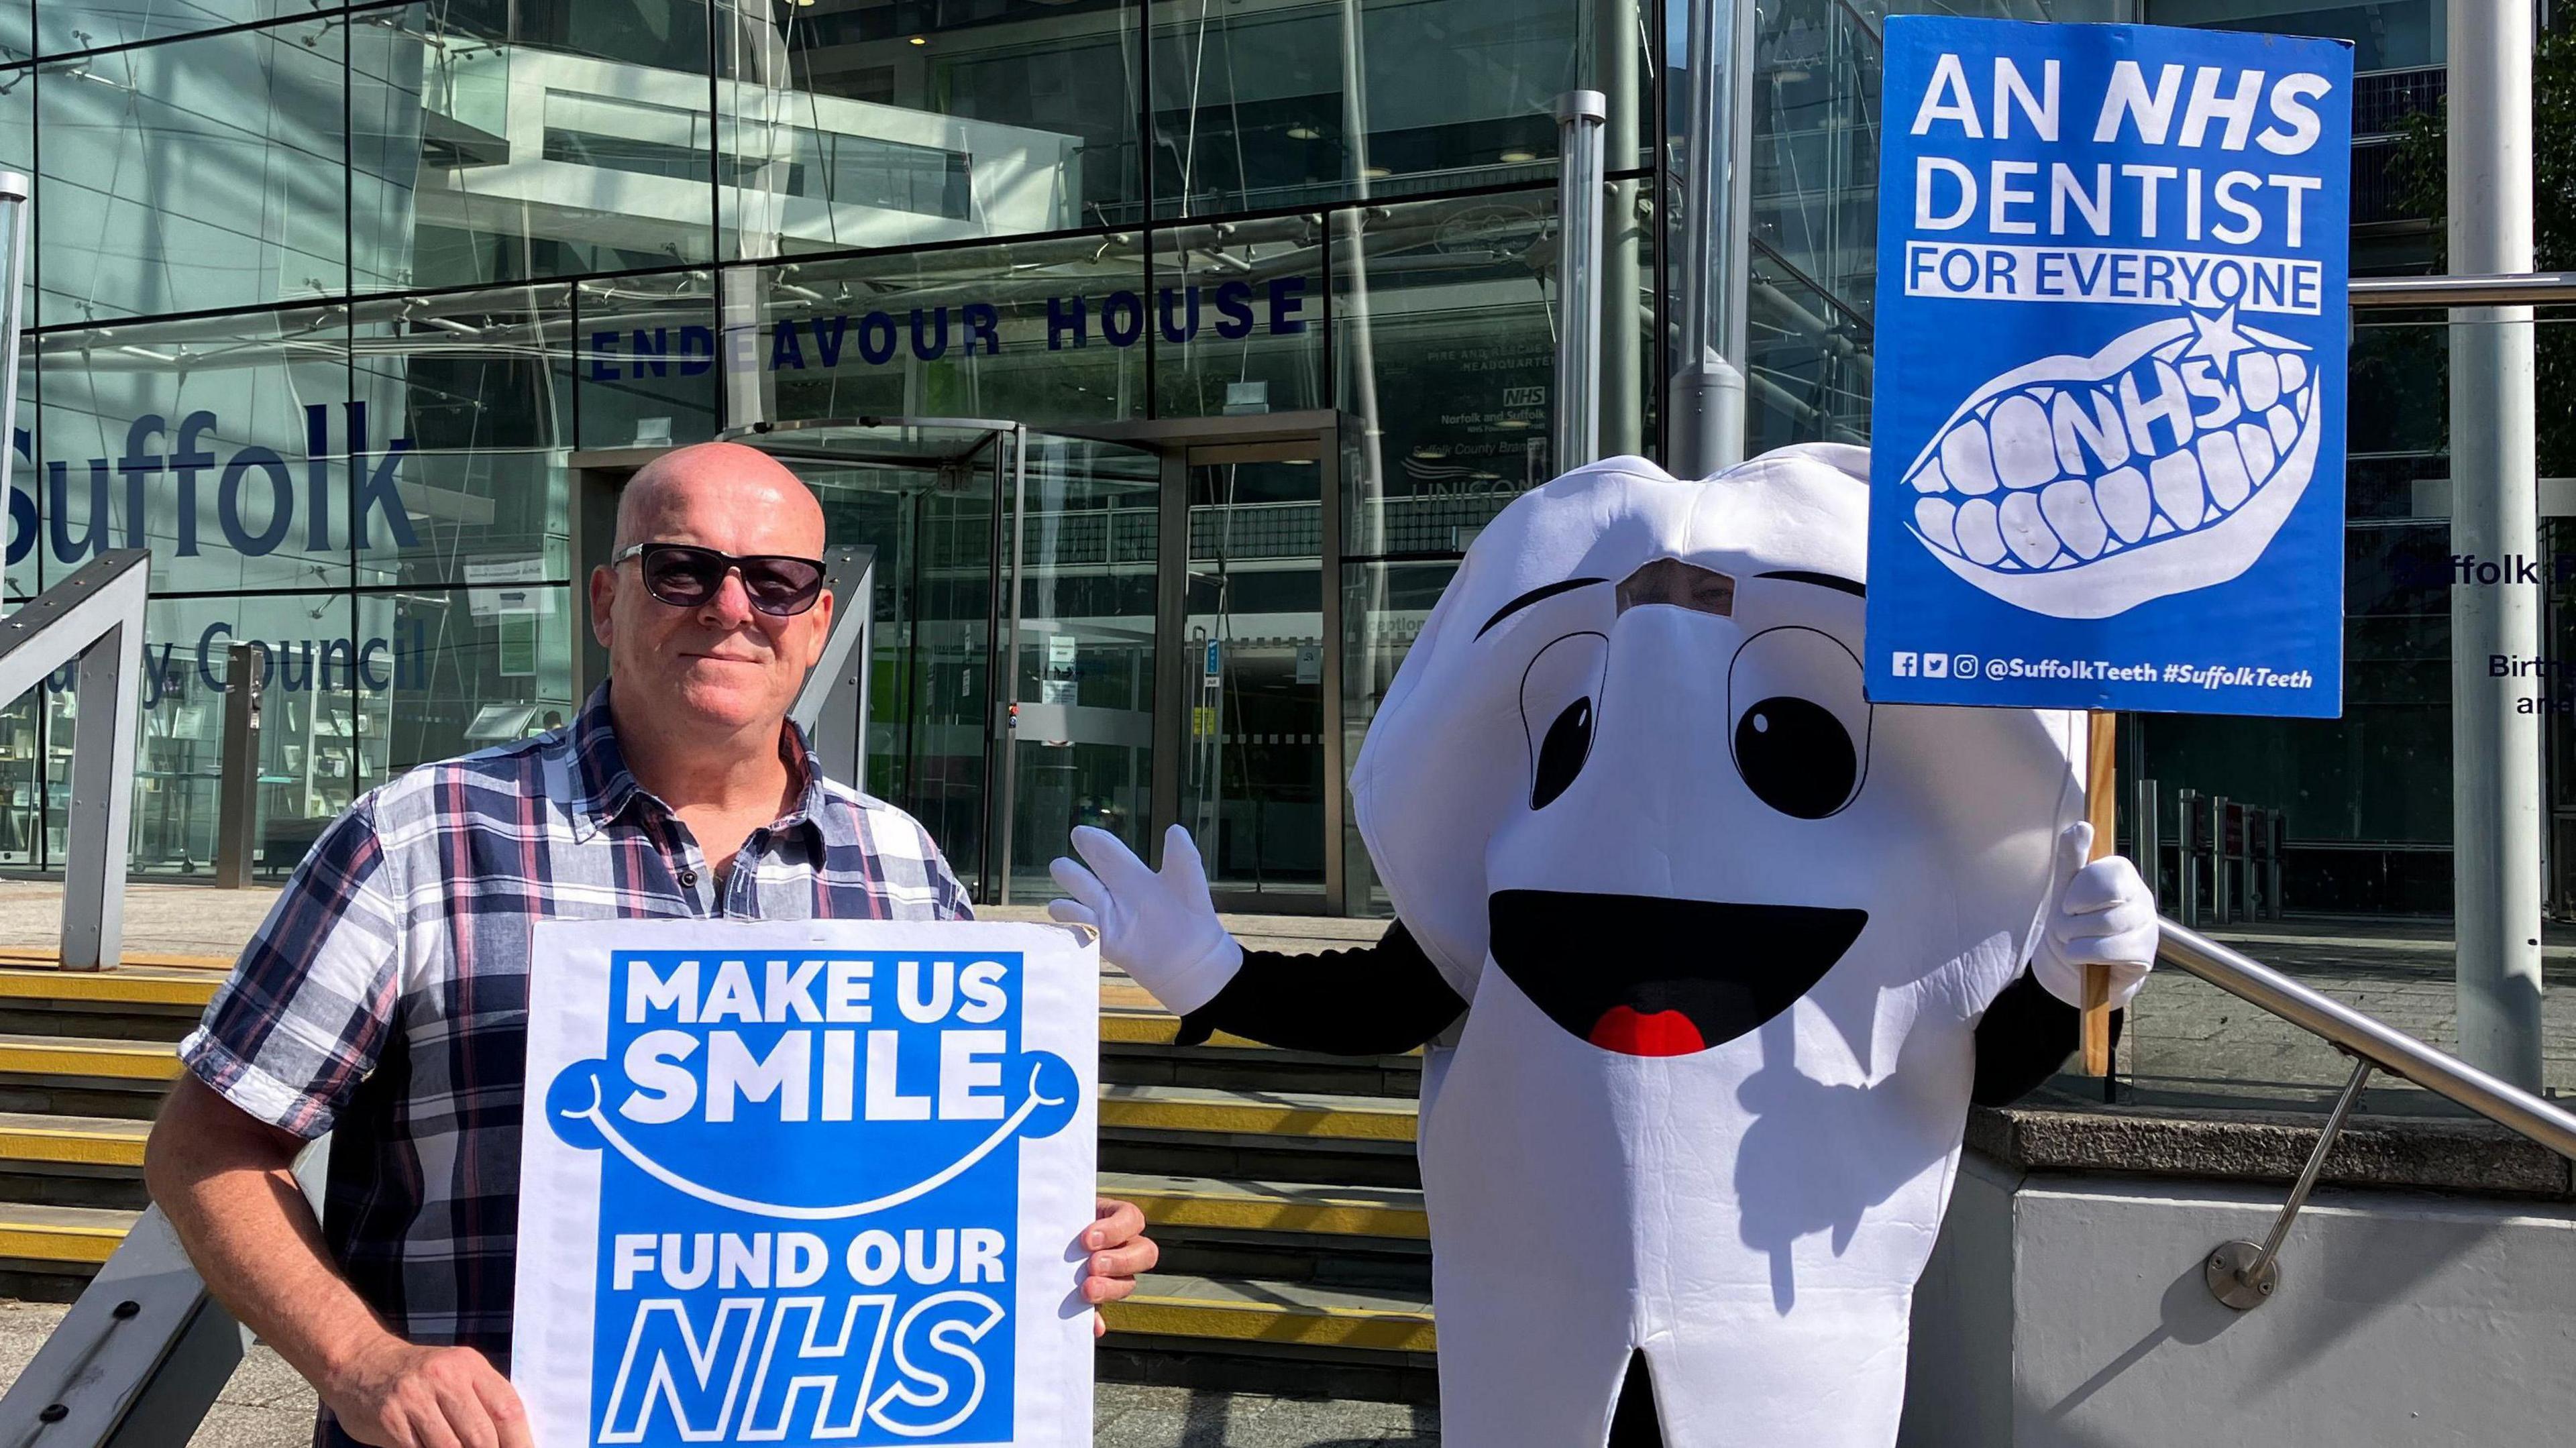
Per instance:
(1119,1250)
(398,1395)
(1160,928)
(2105,916)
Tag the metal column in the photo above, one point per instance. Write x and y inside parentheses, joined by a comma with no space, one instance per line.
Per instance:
(1621,409)
(2495,761)
(1580,116)
(2186,868)
(2146,844)
(237,804)
(1707,394)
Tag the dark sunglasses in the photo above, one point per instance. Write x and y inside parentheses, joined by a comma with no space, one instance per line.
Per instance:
(685,576)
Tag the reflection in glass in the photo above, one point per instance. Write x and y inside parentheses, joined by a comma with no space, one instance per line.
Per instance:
(482,384)
(463,670)
(1384,606)
(500,141)
(645,360)
(1239,318)
(1083,719)
(1252,781)
(1040,332)
(1262,107)
(199,173)
(226,445)
(850,124)
(71,25)
(308,771)
(1441,311)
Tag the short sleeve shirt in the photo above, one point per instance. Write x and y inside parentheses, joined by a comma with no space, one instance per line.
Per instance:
(385,998)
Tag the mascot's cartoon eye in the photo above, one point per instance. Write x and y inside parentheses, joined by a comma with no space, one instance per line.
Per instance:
(1560,705)
(1801,736)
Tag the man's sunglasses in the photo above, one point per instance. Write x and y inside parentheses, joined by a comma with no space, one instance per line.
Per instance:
(685,576)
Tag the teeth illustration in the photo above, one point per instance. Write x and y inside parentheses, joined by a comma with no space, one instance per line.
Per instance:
(2081,487)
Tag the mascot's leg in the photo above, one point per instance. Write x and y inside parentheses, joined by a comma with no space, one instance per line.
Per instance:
(1633,1423)
(1533,1271)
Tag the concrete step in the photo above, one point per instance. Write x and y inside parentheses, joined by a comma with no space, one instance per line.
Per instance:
(1278,1136)
(73,1161)
(84,1075)
(1355,1237)
(48,1253)
(1292,1339)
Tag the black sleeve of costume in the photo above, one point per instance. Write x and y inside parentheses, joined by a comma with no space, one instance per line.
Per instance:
(1379,1000)
(2026,1035)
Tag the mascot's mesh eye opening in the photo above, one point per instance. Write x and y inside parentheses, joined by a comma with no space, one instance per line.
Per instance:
(1560,704)
(1801,726)
(1795,757)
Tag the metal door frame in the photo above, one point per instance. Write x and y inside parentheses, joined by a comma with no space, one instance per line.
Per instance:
(598,474)
(1176,440)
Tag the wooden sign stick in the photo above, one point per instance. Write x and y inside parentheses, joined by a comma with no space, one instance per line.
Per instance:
(2099,795)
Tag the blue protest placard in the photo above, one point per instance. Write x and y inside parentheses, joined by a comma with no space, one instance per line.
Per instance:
(2107,420)
(807,1182)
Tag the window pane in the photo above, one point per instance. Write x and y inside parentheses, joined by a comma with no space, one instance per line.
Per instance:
(883,125)
(224,445)
(195,174)
(307,743)
(17,29)
(70,25)
(1255,108)
(482,384)
(1045,332)
(1443,335)
(484,667)
(1239,318)
(500,141)
(646,360)
(26,531)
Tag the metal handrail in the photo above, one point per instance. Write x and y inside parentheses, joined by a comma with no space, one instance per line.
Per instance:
(2243,1274)
(2381,1045)
(2511,289)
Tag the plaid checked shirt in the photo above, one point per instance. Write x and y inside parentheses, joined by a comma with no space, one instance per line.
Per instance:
(385,997)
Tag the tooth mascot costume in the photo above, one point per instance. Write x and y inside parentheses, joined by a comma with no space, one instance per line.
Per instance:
(1710,953)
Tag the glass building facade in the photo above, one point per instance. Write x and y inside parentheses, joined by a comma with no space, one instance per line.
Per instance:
(1172,351)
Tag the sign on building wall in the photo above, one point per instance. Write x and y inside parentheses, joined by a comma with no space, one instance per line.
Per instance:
(2108,420)
(807,1182)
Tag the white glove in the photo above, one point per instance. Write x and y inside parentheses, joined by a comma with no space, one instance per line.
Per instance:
(2106,915)
(1159,928)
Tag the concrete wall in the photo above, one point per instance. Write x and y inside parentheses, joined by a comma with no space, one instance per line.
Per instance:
(2069,1312)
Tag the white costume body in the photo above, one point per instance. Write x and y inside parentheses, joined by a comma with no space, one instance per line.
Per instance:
(1753,1216)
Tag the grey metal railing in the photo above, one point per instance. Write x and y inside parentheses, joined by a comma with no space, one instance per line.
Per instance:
(2246,1274)
(95,617)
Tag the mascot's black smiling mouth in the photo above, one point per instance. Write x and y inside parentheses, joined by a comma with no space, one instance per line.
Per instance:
(1644,975)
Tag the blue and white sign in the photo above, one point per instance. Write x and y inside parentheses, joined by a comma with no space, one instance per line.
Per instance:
(807,1182)
(2108,417)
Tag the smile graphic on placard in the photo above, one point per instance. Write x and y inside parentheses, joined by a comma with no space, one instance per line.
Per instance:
(2081,487)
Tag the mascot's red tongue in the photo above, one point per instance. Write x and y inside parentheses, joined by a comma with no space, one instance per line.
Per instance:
(1631,1033)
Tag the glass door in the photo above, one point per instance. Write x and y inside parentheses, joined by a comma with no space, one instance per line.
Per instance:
(1080,731)
(1257,779)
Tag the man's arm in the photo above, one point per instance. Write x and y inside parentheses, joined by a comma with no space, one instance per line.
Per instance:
(226,1181)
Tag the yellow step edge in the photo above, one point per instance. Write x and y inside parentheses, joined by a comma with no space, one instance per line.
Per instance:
(86,1246)
(142,1061)
(113,987)
(1243,1116)
(73,1148)
(48,956)
(1261,1214)
(1304,1326)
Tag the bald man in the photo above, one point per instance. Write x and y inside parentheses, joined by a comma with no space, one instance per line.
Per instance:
(385,998)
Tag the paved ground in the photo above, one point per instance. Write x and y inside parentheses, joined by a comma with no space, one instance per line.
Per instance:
(268,1406)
